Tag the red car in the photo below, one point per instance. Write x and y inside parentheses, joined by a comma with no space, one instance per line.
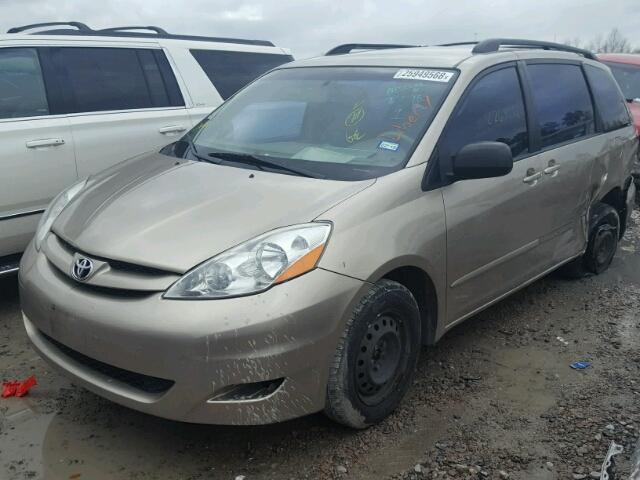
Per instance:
(626,70)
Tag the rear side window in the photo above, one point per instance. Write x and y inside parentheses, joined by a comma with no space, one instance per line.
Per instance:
(609,100)
(162,83)
(230,71)
(493,110)
(562,102)
(101,79)
(22,92)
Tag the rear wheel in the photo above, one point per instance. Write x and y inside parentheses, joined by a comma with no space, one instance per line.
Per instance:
(375,358)
(604,231)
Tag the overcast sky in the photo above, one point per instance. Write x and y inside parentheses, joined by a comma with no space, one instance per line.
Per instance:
(311,27)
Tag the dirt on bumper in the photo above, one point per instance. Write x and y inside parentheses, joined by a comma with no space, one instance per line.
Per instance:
(288,333)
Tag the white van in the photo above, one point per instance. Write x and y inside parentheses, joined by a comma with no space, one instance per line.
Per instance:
(74,101)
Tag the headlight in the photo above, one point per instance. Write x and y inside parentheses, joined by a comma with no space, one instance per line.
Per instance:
(53,210)
(255,265)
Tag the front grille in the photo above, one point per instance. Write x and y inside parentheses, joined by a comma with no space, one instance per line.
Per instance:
(120,280)
(125,267)
(138,381)
(97,289)
(134,268)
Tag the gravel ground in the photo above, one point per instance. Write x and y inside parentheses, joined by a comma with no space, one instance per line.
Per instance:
(495,399)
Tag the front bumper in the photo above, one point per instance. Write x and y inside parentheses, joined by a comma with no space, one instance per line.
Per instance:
(288,333)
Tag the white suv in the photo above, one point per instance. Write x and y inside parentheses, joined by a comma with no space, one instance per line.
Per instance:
(74,101)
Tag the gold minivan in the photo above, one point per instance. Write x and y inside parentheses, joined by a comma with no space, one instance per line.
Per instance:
(293,252)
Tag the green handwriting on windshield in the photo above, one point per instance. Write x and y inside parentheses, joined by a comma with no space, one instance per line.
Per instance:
(352,133)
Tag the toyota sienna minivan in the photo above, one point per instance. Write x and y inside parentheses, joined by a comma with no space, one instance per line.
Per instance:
(293,252)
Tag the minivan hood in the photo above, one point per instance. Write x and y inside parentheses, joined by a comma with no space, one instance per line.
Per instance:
(170,213)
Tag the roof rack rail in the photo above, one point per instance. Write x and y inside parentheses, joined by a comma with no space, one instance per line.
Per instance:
(455,44)
(153,32)
(158,30)
(493,45)
(80,26)
(349,47)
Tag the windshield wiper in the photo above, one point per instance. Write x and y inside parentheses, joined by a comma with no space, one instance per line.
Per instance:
(261,163)
(195,153)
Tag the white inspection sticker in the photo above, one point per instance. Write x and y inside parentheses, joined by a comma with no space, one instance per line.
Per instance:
(388,146)
(424,74)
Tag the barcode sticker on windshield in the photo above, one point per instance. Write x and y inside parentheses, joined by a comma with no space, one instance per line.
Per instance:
(423,74)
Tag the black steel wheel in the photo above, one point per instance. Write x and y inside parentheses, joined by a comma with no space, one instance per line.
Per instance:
(379,358)
(604,232)
(376,357)
(605,244)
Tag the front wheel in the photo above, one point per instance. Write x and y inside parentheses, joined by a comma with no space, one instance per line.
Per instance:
(375,358)
(604,231)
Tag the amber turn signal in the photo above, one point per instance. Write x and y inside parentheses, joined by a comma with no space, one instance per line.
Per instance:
(303,265)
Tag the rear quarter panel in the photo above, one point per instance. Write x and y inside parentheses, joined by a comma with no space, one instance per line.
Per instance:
(614,162)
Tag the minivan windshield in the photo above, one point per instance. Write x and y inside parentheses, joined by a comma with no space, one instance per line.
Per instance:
(628,77)
(340,123)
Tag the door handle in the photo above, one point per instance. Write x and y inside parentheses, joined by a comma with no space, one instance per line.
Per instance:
(552,168)
(45,142)
(172,129)
(532,176)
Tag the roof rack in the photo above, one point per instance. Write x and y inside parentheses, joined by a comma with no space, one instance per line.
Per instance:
(158,30)
(349,47)
(493,45)
(455,44)
(79,26)
(152,32)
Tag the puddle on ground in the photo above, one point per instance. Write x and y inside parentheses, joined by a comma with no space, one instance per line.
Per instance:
(517,378)
(628,327)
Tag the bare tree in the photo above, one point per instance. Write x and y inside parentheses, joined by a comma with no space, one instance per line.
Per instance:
(614,42)
(595,45)
(574,42)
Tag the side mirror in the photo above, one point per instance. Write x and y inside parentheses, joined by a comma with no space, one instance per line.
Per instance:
(482,160)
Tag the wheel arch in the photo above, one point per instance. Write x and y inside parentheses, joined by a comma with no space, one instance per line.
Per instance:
(423,289)
(617,198)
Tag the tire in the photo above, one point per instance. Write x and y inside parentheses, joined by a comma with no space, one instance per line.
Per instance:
(604,232)
(375,358)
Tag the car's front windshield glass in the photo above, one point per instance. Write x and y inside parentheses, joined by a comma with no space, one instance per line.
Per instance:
(343,123)
(628,77)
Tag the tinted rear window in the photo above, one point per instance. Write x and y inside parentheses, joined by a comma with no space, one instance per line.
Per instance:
(230,71)
(22,92)
(100,79)
(610,102)
(562,102)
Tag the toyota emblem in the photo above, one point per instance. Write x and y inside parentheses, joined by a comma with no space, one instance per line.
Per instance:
(82,268)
